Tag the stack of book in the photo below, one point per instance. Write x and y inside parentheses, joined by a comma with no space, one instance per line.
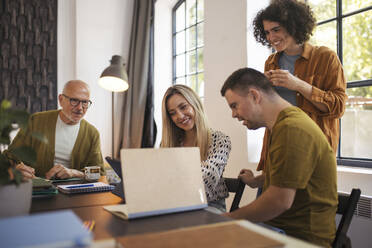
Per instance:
(43,187)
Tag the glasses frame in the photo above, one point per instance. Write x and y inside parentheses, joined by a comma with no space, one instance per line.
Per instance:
(76,102)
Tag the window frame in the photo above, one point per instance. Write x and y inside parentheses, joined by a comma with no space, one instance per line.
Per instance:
(186,51)
(340,16)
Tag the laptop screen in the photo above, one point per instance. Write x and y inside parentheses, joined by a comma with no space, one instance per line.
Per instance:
(115,165)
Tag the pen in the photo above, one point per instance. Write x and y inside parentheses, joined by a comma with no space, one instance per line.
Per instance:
(89,224)
(80,186)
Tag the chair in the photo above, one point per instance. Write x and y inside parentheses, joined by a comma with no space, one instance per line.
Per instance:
(235,185)
(346,207)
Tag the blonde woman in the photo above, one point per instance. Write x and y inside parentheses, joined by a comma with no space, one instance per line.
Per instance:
(185,125)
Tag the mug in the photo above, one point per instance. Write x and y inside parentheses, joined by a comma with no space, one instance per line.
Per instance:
(92,173)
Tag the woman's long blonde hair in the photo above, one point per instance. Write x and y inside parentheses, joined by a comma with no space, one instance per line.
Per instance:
(172,135)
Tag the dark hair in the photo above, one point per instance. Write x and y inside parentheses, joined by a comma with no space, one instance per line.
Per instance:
(243,79)
(296,17)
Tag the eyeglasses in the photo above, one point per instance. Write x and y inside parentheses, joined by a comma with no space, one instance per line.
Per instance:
(75,102)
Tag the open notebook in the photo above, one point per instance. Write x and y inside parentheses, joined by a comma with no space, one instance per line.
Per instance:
(160,181)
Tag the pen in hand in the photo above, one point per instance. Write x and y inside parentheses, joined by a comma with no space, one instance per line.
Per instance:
(27,171)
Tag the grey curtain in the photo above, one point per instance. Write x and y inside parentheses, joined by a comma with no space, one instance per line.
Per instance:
(137,126)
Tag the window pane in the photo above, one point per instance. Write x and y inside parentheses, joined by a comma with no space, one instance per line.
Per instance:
(190,12)
(191,62)
(357,46)
(323,9)
(191,81)
(356,125)
(180,17)
(200,59)
(180,80)
(191,38)
(200,10)
(180,42)
(200,89)
(180,65)
(200,28)
(325,35)
(352,5)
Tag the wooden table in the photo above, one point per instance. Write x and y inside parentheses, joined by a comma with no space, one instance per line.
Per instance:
(63,201)
(108,225)
(89,206)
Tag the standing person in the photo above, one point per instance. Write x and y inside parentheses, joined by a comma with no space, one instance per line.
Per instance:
(72,143)
(185,125)
(299,186)
(309,77)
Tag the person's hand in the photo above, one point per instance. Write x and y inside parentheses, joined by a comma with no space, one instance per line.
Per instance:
(27,171)
(226,214)
(232,215)
(60,171)
(284,79)
(248,178)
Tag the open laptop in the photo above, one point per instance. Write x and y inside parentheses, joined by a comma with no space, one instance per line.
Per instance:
(116,166)
(160,181)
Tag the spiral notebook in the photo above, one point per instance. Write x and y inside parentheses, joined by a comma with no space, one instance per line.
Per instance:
(85,188)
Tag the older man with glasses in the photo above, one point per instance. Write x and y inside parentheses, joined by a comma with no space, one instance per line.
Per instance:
(72,143)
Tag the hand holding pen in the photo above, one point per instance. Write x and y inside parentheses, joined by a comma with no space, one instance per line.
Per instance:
(27,171)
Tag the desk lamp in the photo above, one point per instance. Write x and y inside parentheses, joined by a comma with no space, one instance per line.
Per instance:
(115,79)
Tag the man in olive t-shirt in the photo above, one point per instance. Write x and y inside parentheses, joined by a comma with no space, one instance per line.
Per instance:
(300,187)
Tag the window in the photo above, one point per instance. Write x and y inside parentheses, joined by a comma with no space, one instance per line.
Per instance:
(187,34)
(346,27)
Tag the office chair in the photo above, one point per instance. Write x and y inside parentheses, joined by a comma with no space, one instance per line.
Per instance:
(346,207)
(235,185)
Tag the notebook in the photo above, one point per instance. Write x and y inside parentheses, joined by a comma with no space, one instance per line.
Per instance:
(85,188)
(51,229)
(41,183)
(160,181)
(116,166)
(42,187)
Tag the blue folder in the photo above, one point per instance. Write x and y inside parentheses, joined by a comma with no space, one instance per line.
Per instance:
(52,229)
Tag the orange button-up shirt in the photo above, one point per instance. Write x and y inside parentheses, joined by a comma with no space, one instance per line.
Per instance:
(320,67)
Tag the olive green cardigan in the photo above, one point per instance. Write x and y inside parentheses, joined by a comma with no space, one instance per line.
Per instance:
(86,151)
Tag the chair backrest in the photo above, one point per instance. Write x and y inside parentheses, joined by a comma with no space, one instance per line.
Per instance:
(235,185)
(346,207)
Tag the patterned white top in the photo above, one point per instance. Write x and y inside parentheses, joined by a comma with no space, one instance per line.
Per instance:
(214,166)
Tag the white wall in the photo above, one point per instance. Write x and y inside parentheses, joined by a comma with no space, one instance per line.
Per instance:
(257,55)
(89,33)
(225,50)
(163,57)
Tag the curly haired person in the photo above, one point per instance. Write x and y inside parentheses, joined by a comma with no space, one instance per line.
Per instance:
(309,77)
